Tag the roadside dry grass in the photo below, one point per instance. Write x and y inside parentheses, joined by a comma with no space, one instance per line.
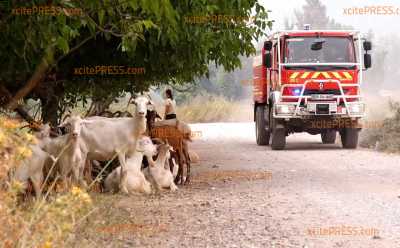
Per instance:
(214,109)
(386,137)
(24,222)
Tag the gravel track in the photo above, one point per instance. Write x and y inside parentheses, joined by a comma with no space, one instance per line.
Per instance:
(244,195)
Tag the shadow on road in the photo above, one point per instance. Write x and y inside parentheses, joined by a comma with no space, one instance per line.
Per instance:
(298,146)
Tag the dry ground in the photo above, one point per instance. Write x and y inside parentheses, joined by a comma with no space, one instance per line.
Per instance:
(244,195)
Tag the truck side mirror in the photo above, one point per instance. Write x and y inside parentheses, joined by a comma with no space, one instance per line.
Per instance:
(367,61)
(267,60)
(268,45)
(367,45)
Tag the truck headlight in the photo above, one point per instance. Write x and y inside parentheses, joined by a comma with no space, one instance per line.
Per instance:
(284,108)
(356,108)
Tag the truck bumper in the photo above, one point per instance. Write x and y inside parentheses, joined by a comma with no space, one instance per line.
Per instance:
(285,110)
(305,106)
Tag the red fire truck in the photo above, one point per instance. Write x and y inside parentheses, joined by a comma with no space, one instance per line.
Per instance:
(309,81)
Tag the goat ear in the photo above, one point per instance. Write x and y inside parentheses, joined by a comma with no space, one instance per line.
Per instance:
(63,124)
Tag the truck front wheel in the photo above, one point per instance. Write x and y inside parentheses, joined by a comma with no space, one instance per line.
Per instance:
(278,141)
(328,137)
(262,128)
(349,137)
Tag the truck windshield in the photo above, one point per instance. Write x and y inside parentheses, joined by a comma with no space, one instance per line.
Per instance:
(330,50)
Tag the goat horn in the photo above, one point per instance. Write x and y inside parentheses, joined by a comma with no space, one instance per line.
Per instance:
(65,117)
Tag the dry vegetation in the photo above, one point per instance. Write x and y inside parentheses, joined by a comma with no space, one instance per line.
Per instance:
(214,109)
(385,137)
(45,222)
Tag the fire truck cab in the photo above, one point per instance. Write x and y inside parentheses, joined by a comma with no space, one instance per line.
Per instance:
(309,81)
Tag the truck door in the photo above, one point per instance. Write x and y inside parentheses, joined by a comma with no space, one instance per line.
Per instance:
(274,70)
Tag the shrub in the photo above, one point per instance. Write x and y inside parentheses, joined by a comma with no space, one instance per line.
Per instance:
(46,222)
(386,137)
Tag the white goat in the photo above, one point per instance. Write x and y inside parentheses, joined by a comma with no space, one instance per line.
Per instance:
(107,137)
(70,150)
(136,181)
(162,176)
(32,168)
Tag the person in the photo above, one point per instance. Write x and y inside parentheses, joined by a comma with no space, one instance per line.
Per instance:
(170,105)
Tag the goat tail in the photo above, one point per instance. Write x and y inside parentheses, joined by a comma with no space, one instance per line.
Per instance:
(175,168)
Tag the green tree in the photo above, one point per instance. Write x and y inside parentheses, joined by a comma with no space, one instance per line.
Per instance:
(42,49)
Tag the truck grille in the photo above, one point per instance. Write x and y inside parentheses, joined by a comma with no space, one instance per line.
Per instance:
(308,92)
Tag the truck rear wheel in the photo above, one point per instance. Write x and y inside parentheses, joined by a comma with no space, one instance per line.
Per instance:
(262,128)
(349,137)
(328,137)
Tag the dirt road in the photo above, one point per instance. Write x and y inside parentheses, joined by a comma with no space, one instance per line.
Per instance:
(244,195)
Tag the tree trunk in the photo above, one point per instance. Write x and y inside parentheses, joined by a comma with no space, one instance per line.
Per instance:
(50,110)
(51,94)
(98,106)
(5,97)
(36,78)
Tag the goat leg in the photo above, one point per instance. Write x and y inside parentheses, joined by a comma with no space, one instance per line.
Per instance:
(78,176)
(123,173)
(187,158)
(173,186)
(183,163)
(178,178)
(36,182)
(82,173)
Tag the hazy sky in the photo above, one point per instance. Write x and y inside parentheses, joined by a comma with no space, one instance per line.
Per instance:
(380,24)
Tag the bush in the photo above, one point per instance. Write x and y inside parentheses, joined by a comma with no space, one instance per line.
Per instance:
(46,222)
(387,136)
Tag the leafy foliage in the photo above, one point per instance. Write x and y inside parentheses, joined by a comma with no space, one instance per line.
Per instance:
(138,33)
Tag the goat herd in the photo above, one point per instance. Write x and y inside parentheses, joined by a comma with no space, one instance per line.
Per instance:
(144,162)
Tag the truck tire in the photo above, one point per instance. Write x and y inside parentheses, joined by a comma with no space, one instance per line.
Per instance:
(349,137)
(278,141)
(328,137)
(262,133)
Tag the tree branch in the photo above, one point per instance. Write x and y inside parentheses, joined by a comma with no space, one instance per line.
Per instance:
(39,74)
(18,108)
(36,78)
(75,48)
